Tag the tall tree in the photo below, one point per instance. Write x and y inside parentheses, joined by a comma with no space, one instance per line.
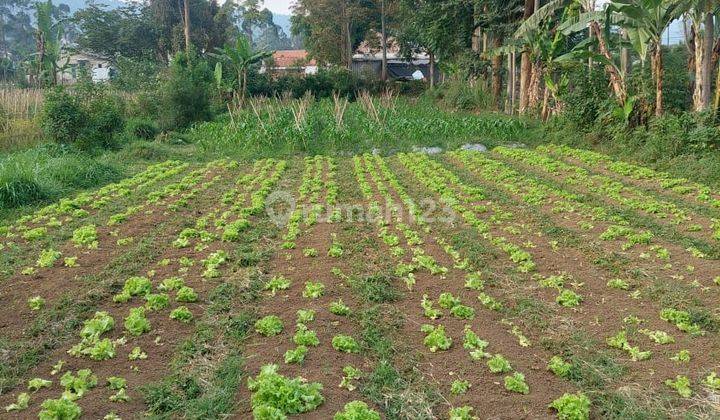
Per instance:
(127,31)
(332,29)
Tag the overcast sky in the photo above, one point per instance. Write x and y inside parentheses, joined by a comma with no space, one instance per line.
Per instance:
(279,6)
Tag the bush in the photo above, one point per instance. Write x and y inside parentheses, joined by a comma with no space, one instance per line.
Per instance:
(185,93)
(63,118)
(142,128)
(105,119)
(88,117)
(320,85)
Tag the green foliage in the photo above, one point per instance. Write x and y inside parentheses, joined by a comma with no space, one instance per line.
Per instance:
(36,303)
(157,301)
(463,311)
(401,126)
(712,381)
(186,294)
(134,286)
(569,298)
(448,301)
(269,325)
(137,354)
(572,407)
(516,383)
(185,93)
(142,128)
(85,236)
(281,396)
(64,118)
(305,337)
(339,308)
(61,408)
(463,95)
(459,387)
(345,344)
(276,284)
(313,290)
(48,171)
(36,384)
(171,283)
(681,384)
(461,413)
(435,339)
(559,366)
(296,355)
(88,118)
(182,314)
(136,323)
(78,385)
(305,315)
(357,410)
(499,364)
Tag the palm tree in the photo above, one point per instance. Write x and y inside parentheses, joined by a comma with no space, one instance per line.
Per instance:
(239,58)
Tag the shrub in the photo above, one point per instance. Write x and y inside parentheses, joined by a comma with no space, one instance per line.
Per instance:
(88,117)
(142,128)
(63,118)
(105,114)
(185,93)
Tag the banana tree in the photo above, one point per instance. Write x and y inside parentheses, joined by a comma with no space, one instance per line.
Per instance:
(239,58)
(47,39)
(701,13)
(644,22)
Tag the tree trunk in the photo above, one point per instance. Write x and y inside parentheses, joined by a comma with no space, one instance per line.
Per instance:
(545,113)
(508,93)
(717,91)
(497,62)
(432,69)
(706,70)
(534,85)
(348,44)
(186,24)
(657,67)
(625,57)
(525,63)
(616,80)
(383,71)
(698,55)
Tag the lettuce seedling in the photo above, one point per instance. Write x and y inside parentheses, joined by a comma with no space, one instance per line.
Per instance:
(355,410)
(269,325)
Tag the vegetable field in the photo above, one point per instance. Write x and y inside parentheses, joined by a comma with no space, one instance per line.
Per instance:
(516,283)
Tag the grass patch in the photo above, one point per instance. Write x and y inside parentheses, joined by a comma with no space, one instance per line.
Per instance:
(49,172)
(377,288)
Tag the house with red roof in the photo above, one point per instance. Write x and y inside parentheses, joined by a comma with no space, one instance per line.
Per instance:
(289,62)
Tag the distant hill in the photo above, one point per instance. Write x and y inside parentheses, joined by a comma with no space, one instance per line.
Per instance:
(283,21)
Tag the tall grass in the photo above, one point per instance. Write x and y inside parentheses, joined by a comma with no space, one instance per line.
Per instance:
(21,104)
(48,172)
(18,126)
(386,124)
